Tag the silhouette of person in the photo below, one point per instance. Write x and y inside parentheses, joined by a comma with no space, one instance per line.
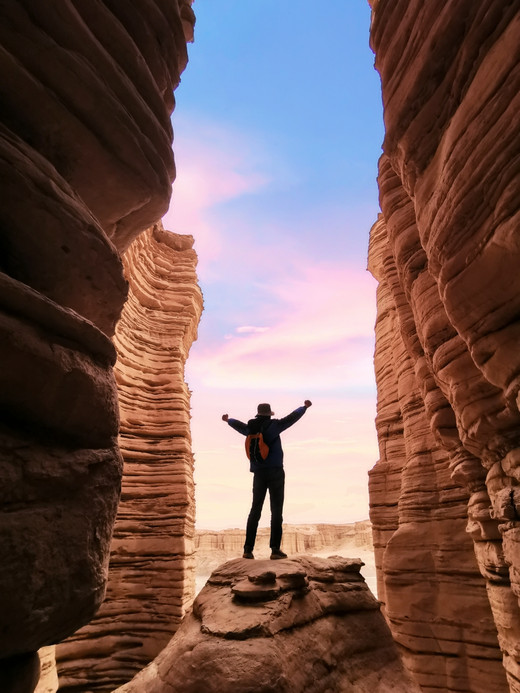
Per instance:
(269,475)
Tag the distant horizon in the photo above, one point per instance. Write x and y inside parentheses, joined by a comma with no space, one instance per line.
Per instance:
(285,524)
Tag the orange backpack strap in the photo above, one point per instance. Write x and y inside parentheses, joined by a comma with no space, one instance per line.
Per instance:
(249,438)
(264,448)
(262,445)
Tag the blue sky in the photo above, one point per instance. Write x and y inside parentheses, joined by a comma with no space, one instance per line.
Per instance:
(278,128)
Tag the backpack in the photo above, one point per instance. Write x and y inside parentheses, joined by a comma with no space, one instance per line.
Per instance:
(256,447)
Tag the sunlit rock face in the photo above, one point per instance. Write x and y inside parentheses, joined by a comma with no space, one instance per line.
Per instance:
(151,575)
(288,626)
(446,253)
(48,682)
(86,165)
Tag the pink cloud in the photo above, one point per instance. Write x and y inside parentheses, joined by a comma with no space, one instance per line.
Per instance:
(310,336)
(317,327)
(251,329)
(214,164)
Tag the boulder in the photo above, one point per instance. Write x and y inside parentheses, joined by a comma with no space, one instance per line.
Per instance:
(286,626)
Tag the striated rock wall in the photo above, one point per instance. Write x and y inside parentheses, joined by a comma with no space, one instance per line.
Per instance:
(428,578)
(307,624)
(446,254)
(86,165)
(151,572)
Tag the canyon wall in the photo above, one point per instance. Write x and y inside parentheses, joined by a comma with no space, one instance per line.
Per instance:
(446,251)
(151,572)
(86,165)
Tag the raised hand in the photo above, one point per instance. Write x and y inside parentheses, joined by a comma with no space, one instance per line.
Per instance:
(225,417)
(308,403)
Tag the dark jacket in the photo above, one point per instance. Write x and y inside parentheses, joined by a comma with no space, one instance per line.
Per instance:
(271,429)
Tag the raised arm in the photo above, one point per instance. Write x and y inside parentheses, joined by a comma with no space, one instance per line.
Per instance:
(293,417)
(236,424)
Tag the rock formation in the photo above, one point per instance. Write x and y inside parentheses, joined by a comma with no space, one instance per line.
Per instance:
(444,493)
(287,626)
(86,165)
(151,575)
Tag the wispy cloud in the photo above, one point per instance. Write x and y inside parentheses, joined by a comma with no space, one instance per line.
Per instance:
(251,329)
(317,327)
(285,320)
(215,164)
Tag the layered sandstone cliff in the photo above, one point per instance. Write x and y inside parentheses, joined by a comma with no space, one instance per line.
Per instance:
(446,254)
(86,165)
(288,626)
(151,571)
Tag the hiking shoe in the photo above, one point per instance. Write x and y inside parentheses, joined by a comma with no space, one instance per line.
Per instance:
(247,554)
(276,554)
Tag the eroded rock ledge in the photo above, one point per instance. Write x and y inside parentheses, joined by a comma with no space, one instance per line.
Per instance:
(306,624)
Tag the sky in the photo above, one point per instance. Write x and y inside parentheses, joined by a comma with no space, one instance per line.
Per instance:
(278,129)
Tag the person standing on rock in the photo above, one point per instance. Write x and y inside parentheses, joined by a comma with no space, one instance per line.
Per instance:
(269,474)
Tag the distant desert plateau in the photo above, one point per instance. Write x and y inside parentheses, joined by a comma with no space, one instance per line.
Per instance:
(212,547)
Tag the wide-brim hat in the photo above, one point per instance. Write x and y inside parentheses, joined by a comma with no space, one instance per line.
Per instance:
(264,409)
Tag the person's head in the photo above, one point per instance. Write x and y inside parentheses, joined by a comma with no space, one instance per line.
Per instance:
(264,409)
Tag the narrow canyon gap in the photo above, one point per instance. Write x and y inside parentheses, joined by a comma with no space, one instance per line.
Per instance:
(83,190)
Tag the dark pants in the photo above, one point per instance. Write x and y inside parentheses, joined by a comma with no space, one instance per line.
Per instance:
(272,479)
